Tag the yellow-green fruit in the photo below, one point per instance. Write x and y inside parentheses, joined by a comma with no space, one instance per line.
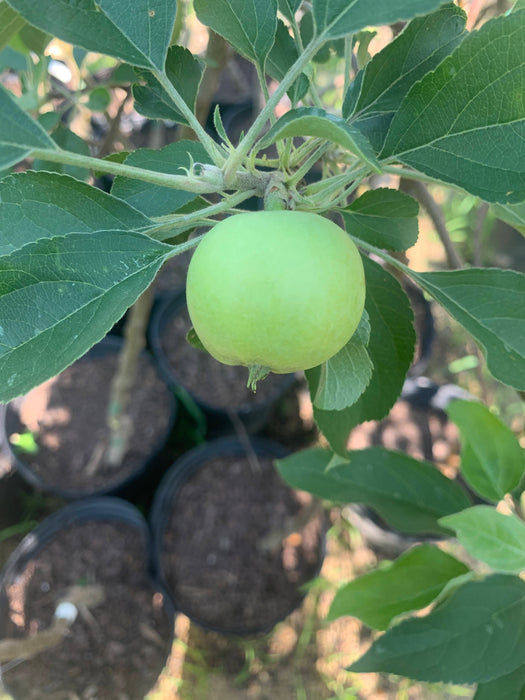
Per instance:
(282,290)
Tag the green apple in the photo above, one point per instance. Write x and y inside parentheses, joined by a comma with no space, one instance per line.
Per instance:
(277,291)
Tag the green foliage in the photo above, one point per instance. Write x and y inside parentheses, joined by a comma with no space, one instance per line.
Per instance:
(509,687)
(339,382)
(118,28)
(90,281)
(99,99)
(155,200)
(513,214)
(24,442)
(289,7)
(464,122)
(10,23)
(335,18)
(385,218)
(442,102)
(312,121)
(476,635)
(410,583)
(490,305)
(41,205)
(492,460)
(281,58)
(20,135)
(496,539)
(391,349)
(69,141)
(249,26)
(375,95)
(184,72)
(410,495)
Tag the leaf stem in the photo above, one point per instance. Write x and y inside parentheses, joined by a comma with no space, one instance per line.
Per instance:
(178,182)
(309,163)
(348,62)
(415,175)
(236,159)
(168,223)
(384,255)
(334,183)
(206,140)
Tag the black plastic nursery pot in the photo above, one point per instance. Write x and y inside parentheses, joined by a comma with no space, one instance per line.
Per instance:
(233,544)
(96,554)
(57,432)
(218,390)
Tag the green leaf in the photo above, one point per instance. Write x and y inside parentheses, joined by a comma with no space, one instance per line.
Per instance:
(20,135)
(155,200)
(249,25)
(99,99)
(35,40)
(385,218)
(61,295)
(411,582)
(335,18)
(281,58)
(490,305)
(492,460)
(464,123)
(375,95)
(476,635)
(391,349)
(193,339)
(496,539)
(289,8)
(184,71)
(9,58)
(362,39)
(313,121)
(509,687)
(307,31)
(69,141)
(42,205)
(10,23)
(409,494)
(513,214)
(340,381)
(136,31)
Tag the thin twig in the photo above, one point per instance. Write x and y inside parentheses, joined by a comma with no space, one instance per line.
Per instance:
(114,128)
(245,441)
(477,253)
(423,196)
(134,340)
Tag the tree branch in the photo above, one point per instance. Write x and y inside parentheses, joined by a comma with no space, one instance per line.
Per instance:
(423,196)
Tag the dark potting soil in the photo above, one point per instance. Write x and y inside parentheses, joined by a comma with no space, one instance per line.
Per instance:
(420,433)
(67,416)
(233,557)
(114,649)
(213,383)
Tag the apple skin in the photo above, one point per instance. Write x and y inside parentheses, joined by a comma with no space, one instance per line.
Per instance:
(282,290)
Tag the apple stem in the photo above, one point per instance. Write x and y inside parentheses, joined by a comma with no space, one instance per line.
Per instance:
(257,374)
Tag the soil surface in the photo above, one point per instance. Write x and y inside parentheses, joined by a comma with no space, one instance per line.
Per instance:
(239,545)
(211,382)
(115,648)
(67,416)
